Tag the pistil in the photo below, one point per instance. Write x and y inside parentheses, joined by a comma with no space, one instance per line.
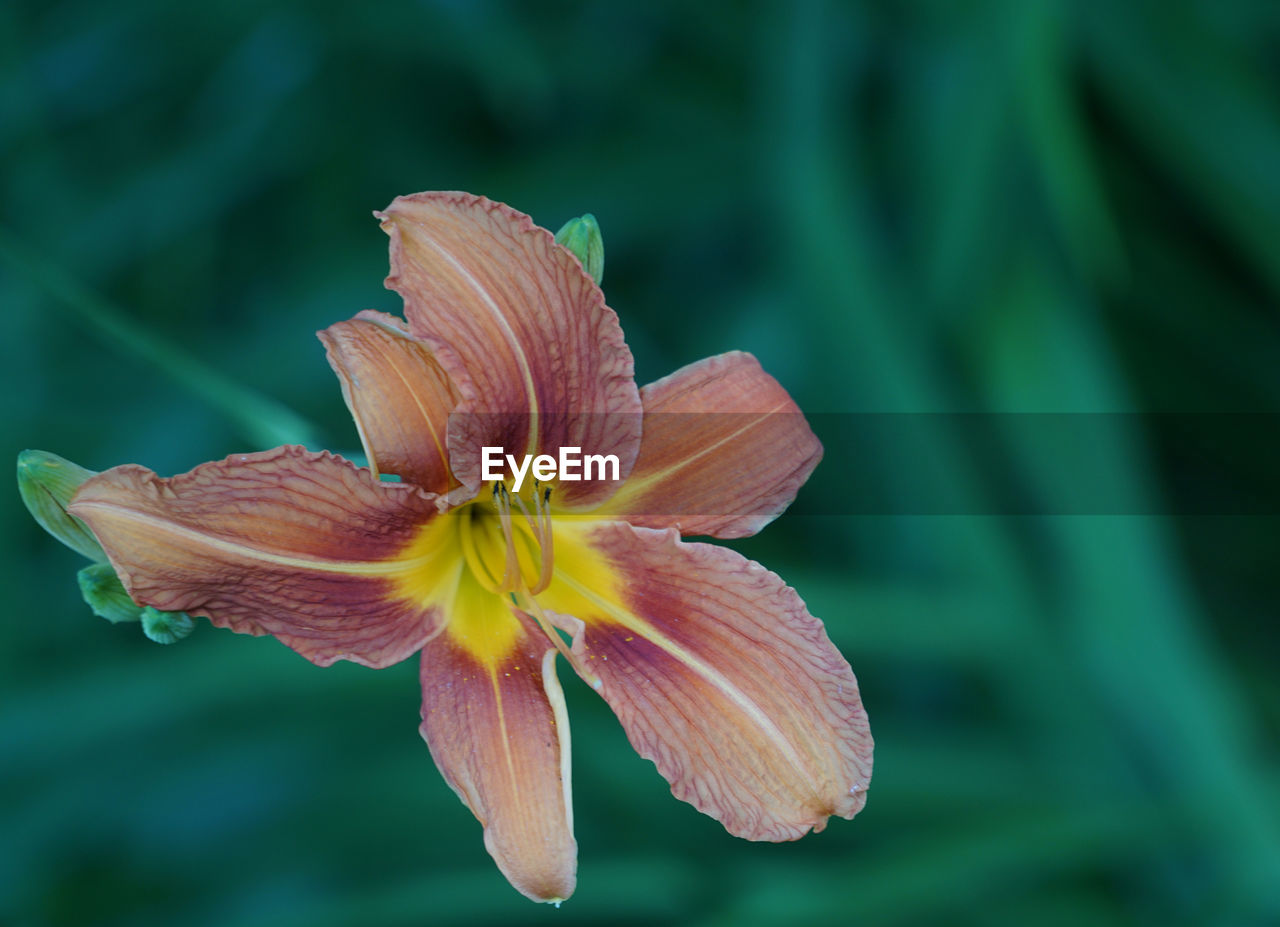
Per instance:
(529,605)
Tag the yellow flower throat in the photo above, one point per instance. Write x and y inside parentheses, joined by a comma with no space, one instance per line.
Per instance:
(477,561)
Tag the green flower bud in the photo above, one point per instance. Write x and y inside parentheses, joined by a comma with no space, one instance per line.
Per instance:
(105,594)
(582,237)
(166,627)
(47,482)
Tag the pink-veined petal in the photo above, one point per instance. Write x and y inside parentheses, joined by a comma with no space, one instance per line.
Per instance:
(493,715)
(537,358)
(723,452)
(719,675)
(295,544)
(398,395)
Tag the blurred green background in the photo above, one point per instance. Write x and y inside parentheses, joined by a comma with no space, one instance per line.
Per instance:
(998,206)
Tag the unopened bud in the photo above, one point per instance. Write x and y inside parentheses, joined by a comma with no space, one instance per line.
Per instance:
(166,627)
(105,594)
(46,483)
(582,237)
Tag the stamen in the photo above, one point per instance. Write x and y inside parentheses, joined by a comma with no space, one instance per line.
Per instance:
(511,578)
(542,503)
(540,524)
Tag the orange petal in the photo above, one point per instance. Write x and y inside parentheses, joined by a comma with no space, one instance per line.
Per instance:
(522,331)
(724,451)
(721,677)
(287,542)
(398,395)
(493,716)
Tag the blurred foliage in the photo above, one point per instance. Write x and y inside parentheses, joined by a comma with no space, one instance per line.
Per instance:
(997,206)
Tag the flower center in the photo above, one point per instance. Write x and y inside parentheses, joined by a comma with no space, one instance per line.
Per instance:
(508,547)
(495,552)
(507,540)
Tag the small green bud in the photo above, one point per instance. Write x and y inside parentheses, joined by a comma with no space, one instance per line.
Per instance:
(105,594)
(166,627)
(582,237)
(46,483)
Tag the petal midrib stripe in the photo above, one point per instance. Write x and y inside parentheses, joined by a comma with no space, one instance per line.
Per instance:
(641,483)
(712,675)
(318,564)
(507,331)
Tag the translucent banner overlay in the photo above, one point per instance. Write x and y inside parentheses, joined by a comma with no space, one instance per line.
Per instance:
(885,464)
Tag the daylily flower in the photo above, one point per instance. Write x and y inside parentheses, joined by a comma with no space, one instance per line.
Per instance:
(713,665)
